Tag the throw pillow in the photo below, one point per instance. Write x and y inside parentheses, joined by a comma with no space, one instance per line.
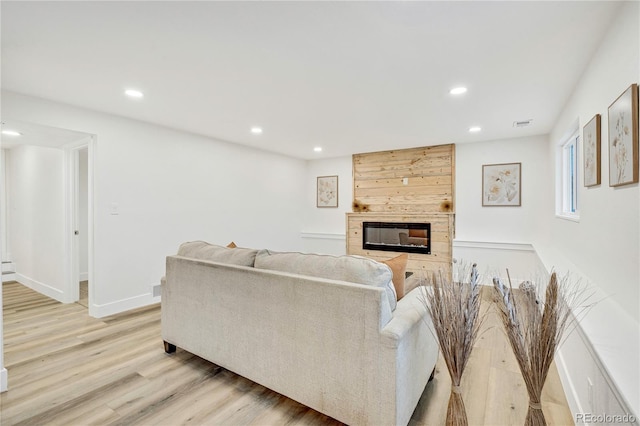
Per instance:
(398,267)
(232,245)
(205,251)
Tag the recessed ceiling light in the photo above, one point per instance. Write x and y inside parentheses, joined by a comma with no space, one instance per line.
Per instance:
(134,93)
(458,90)
(475,129)
(318,149)
(11,133)
(256,130)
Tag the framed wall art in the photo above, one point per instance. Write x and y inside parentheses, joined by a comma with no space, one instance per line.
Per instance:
(591,151)
(623,138)
(501,185)
(327,191)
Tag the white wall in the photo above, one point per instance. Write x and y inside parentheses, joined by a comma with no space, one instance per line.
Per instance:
(502,224)
(35,194)
(3,200)
(501,237)
(323,229)
(83,213)
(3,248)
(604,246)
(169,187)
(608,216)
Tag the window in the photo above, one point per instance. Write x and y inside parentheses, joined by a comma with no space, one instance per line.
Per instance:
(569,173)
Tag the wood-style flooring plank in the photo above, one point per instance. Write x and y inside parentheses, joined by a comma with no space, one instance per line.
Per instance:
(66,368)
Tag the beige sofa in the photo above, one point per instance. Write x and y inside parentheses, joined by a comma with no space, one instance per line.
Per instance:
(323,330)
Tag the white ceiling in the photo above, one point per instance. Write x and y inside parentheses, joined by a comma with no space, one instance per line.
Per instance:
(39,135)
(347,76)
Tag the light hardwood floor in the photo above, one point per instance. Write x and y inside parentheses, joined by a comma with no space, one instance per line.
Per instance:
(66,368)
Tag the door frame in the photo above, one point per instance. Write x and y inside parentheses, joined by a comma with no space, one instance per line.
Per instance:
(72,252)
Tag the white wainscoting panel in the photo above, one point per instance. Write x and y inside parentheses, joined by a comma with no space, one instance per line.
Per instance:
(494,258)
(324,243)
(599,361)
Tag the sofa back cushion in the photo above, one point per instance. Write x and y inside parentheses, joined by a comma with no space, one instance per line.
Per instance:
(205,251)
(354,269)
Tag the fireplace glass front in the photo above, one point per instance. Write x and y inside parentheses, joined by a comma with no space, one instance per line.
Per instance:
(396,236)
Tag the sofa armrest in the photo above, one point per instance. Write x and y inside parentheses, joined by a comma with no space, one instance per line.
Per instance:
(411,313)
(410,338)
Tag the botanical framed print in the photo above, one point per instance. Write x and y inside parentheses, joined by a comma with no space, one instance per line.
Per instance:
(623,138)
(501,184)
(591,151)
(327,191)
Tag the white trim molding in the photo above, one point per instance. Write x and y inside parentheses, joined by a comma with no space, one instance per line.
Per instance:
(323,236)
(494,258)
(112,308)
(492,245)
(324,242)
(43,288)
(570,391)
(9,277)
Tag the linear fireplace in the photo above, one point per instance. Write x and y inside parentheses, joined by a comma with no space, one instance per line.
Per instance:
(397,236)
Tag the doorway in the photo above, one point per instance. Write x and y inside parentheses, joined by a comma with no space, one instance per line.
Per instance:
(82,214)
(79,223)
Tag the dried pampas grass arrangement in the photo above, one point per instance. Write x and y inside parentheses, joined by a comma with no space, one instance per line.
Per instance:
(535,329)
(455,311)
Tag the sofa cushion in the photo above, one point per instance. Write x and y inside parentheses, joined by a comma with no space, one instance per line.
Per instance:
(354,269)
(205,251)
(398,267)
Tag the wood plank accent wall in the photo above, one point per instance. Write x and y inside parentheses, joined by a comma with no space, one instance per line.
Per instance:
(429,172)
(409,185)
(441,239)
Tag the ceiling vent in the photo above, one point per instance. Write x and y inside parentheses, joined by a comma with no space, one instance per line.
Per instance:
(523,123)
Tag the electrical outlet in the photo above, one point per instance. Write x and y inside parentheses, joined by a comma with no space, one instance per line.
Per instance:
(590,392)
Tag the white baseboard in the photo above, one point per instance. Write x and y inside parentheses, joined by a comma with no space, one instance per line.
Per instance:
(112,308)
(567,384)
(43,288)
(4,382)
(9,277)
